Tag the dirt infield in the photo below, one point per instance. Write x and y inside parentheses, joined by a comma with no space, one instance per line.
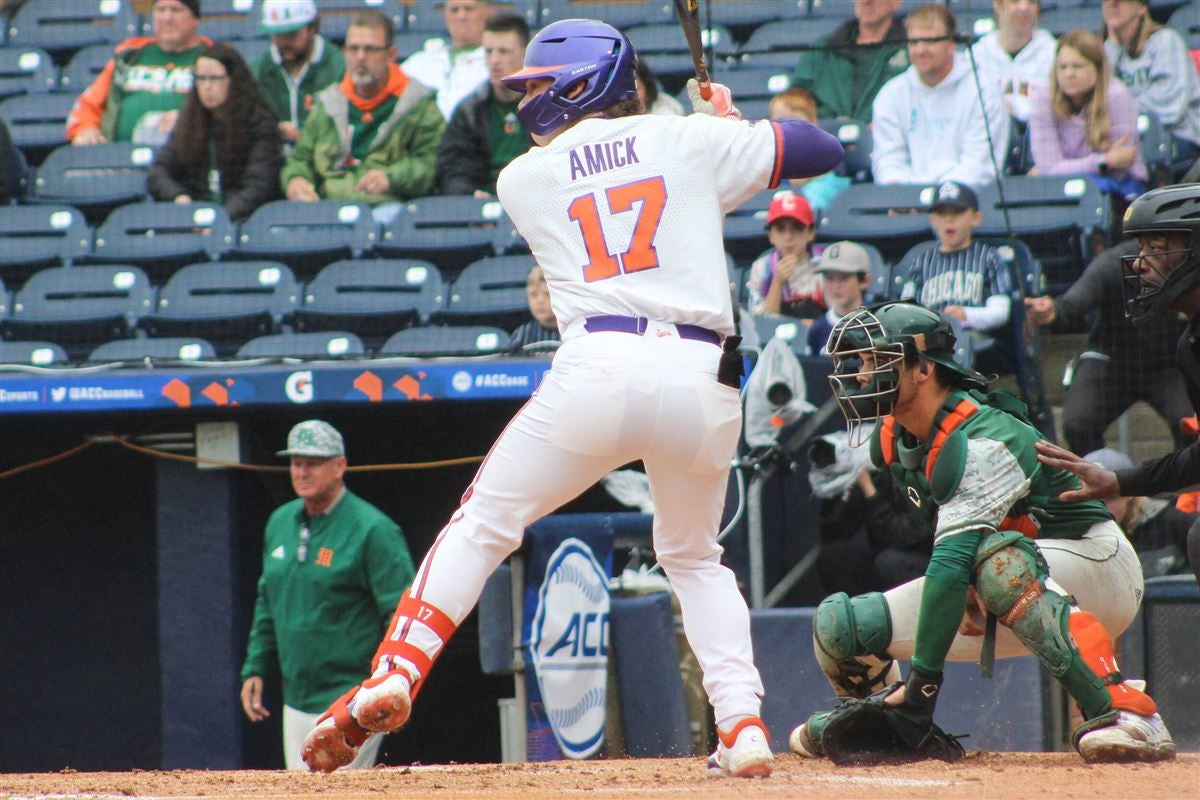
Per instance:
(982,775)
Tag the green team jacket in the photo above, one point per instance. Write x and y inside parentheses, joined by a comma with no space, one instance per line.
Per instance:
(405,147)
(322,619)
(984,477)
(829,74)
(326,68)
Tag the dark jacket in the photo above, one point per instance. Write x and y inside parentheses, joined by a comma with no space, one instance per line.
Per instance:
(829,72)
(464,161)
(257,184)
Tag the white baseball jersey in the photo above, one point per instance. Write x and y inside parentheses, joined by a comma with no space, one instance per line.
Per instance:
(625,216)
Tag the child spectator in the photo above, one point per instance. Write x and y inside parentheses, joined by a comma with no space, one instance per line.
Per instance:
(845,270)
(650,92)
(963,279)
(799,103)
(1086,123)
(783,280)
(543,327)
(226,147)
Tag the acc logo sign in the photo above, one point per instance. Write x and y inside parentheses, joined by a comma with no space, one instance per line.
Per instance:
(569,645)
(299,387)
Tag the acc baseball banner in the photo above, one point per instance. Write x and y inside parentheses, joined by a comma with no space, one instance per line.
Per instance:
(217,385)
(565,634)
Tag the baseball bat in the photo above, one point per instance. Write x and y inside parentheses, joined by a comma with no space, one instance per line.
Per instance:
(689,17)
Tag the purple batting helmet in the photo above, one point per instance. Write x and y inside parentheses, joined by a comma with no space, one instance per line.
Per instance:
(570,51)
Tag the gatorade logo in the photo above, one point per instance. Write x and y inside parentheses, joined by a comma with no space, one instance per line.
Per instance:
(299,387)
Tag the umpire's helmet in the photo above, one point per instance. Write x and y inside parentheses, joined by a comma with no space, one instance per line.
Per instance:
(1150,289)
(572,51)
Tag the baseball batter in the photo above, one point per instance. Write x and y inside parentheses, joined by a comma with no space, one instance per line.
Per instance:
(1060,577)
(623,211)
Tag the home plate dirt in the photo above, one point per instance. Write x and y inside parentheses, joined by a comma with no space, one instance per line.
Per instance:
(980,776)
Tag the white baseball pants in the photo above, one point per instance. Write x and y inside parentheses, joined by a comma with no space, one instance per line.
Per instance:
(298,724)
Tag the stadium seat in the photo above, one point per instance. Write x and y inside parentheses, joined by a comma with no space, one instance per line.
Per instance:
(666,37)
(37,122)
(450,231)
(79,307)
(855,136)
(231,19)
(745,236)
(95,179)
(790,36)
(1070,17)
(84,66)
(336,14)
(40,236)
(62,28)
(32,354)
(250,49)
(752,83)
(181,348)
(4,300)
(307,236)
(743,17)
(313,345)
(490,291)
(752,109)
(893,218)
(373,299)
(162,237)
(619,15)
(469,340)
(26,70)
(226,302)
(1156,145)
(1186,19)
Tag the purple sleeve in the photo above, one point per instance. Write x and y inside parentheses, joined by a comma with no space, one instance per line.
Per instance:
(804,150)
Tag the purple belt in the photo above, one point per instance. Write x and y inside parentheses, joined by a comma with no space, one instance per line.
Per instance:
(615,323)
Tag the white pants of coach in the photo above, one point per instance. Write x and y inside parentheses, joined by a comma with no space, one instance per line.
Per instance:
(297,724)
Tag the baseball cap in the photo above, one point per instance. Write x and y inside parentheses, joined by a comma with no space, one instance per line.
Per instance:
(314,438)
(1109,458)
(192,6)
(285,16)
(791,206)
(954,196)
(846,257)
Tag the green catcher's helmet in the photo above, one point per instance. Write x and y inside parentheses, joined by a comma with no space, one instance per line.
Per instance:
(866,389)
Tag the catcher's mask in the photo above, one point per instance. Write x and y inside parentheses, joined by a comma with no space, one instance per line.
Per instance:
(868,347)
(1153,283)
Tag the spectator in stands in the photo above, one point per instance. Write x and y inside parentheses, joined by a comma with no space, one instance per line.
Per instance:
(137,97)
(484,133)
(1153,62)
(334,567)
(454,70)
(300,63)
(1017,56)
(845,270)
(14,172)
(964,279)
(543,327)
(799,103)
(783,280)
(1121,363)
(650,92)
(226,147)
(849,66)
(928,123)
(1085,123)
(373,137)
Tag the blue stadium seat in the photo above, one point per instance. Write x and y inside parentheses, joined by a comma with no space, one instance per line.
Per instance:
(336,14)
(466,340)
(32,354)
(226,302)
(1065,18)
(250,49)
(162,237)
(450,231)
(751,109)
(85,66)
(312,345)
(751,83)
(231,19)
(855,136)
(1157,146)
(745,236)
(307,236)
(409,42)
(179,348)
(26,70)
(62,28)
(745,16)
(373,299)
(619,15)
(790,35)
(893,218)
(40,236)
(1186,19)
(37,122)
(666,37)
(4,300)
(95,179)
(490,291)
(79,307)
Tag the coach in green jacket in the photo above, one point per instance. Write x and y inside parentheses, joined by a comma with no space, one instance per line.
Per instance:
(373,137)
(853,63)
(334,567)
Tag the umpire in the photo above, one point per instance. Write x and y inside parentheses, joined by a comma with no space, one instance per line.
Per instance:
(334,567)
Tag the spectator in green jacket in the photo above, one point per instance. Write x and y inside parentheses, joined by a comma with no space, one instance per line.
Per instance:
(334,567)
(300,63)
(374,137)
(849,66)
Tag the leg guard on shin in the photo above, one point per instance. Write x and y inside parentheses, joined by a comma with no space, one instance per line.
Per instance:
(395,652)
(1013,582)
(850,639)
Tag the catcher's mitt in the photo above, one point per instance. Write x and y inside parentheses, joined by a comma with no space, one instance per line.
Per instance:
(869,731)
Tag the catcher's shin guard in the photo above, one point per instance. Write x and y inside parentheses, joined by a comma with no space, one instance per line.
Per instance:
(850,639)
(334,740)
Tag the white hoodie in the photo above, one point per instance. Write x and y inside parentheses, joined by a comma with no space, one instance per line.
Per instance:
(1015,75)
(927,134)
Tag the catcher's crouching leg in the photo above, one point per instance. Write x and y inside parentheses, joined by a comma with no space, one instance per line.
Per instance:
(1122,722)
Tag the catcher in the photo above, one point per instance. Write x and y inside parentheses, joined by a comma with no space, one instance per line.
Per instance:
(1061,578)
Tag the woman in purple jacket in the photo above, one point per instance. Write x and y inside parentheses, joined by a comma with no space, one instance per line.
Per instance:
(1085,123)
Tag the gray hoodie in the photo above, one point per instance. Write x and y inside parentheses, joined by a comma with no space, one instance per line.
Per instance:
(1163,81)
